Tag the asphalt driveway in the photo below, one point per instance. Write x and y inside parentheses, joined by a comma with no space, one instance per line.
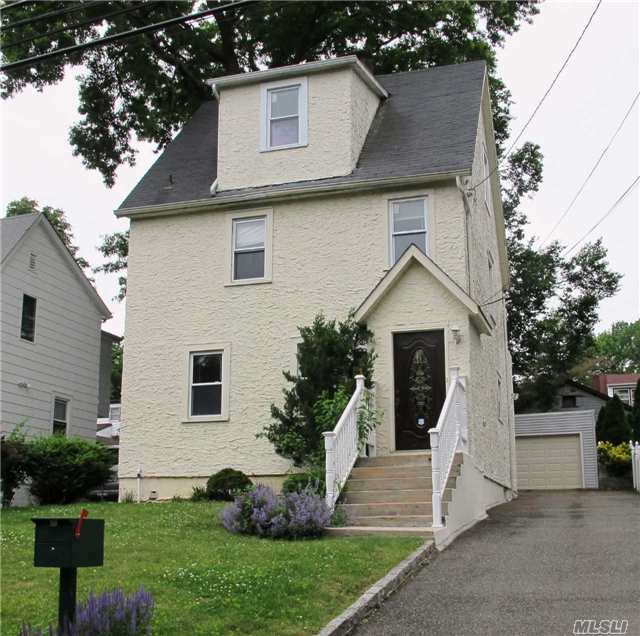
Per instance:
(534,567)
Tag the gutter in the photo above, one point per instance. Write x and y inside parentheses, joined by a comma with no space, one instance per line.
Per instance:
(238,200)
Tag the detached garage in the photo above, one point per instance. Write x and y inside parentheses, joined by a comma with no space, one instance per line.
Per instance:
(556,450)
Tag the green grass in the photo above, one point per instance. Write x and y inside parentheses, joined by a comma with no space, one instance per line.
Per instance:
(204,580)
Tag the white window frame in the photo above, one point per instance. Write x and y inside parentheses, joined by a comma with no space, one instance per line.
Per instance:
(614,389)
(67,402)
(265,113)
(267,214)
(393,234)
(238,221)
(35,318)
(225,378)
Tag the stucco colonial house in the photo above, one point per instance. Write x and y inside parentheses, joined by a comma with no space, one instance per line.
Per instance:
(322,187)
(50,349)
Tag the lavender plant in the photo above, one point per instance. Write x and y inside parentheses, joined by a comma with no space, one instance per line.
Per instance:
(109,614)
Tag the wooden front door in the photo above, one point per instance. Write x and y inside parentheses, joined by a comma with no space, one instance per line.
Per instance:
(420,386)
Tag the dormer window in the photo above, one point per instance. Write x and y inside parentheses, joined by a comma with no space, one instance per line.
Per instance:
(284,115)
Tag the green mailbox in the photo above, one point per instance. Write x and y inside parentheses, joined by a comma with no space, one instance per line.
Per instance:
(59,545)
(68,544)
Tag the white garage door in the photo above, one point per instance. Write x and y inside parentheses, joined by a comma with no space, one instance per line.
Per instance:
(547,462)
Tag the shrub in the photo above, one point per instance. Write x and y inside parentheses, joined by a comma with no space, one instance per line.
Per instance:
(311,481)
(199,493)
(110,614)
(612,425)
(615,459)
(128,496)
(63,469)
(261,512)
(13,463)
(226,484)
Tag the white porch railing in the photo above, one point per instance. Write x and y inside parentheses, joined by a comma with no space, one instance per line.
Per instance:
(341,446)
(635,464)
(449,435)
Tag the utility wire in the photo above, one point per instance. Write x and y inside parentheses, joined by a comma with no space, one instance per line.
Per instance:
(116,37)
(597,163)
(77,25)
(544,97)
(604,216)
(50,14)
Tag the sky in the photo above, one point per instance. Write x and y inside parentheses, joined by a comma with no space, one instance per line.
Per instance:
(572,127)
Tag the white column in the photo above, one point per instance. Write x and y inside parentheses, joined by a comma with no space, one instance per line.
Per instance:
(436,494)
(330,466)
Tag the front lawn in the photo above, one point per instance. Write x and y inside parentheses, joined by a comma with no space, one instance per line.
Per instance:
(203,579)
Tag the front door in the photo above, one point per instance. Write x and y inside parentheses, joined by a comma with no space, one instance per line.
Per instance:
(420,386)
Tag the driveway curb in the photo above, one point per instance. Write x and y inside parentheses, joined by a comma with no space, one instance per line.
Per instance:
(378,592)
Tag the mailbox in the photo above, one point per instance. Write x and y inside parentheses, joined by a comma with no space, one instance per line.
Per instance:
(68,543)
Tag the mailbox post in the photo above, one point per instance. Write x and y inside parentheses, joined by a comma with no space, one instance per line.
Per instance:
(68,544)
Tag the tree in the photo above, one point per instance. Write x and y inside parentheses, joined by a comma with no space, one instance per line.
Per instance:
(612,425)
(329,357)
(116,247)
(55,216)
(116,371)
(147,87)
(634,416)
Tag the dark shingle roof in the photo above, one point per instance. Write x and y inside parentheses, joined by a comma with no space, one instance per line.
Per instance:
(12,229)
(427,126)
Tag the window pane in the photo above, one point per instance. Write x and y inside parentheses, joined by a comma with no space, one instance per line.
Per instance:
(408,216)
(249,234)
(60,410)
(403,241)
(59,428)
(248,265)
(284,102)
(284,132)
(206,400)
(28,323)
(207,368)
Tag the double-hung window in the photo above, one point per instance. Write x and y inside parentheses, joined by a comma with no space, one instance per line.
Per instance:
(284,118)
(408,226)
(28,321)
(249,240)
(60,416)
(205,383)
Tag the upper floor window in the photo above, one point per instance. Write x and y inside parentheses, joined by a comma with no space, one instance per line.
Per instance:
(28,322)
(569,402)
(408,225)
(249,240)
(284,115)
(60,416)
(625,393)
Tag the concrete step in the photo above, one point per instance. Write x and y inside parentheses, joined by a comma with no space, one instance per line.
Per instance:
(396,459)
(381,531)
(359,510)
(393,521)
(397,483)
(392,496)
(410,471)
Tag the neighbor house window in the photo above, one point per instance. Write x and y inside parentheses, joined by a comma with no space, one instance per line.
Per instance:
(625,393)
(408,226)
(205,383)
(60,416)
(569,402)
(249,248)
(284,115)
(28,323)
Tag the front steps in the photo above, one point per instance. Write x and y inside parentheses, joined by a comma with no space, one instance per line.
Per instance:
(391,495)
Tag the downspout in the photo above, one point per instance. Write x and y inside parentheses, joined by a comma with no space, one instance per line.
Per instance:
(139,480)
(467,210)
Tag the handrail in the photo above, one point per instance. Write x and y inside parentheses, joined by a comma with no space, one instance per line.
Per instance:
(341,446)
(447,437)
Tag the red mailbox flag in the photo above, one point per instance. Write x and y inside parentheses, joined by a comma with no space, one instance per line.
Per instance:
(84,513)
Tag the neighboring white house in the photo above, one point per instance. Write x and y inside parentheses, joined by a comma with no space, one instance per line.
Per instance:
(310,188)
(50,341)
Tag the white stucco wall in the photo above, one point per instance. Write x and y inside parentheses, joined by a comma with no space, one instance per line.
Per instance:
(340,110)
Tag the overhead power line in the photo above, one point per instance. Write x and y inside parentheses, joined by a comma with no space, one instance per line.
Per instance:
(116,37)
(50,14)
(544,97)
(603,217)
(597,163)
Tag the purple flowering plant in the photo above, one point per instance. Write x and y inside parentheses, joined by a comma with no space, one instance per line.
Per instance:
(263,513)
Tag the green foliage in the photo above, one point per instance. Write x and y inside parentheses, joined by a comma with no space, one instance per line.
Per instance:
(612,425)
(312,480)
(116,371)
(147,87)
(615,458)
(13,463)
(226,484)
(634,417)
(55,216)
(199,493)
(64,469)
(330,355)
(116,248)
(128,497)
